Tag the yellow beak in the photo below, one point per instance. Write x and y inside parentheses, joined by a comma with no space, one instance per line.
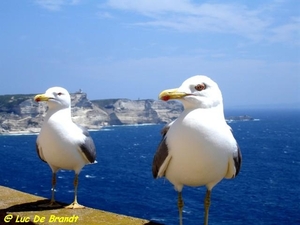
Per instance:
(171,94)
(41,97)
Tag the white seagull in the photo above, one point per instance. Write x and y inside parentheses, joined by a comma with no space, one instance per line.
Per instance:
(198,148)
(61,143)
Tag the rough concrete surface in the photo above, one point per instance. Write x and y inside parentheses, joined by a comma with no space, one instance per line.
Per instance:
(17,207)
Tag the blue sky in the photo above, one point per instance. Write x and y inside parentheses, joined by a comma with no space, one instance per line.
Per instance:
(135,49)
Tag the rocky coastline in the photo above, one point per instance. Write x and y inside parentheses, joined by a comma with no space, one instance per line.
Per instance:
(20,114)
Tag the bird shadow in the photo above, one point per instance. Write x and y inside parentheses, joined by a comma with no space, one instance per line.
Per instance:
(25,207)
(33,206)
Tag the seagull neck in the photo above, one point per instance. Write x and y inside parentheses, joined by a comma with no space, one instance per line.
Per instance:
(191,106)
(216,110)
(62,114)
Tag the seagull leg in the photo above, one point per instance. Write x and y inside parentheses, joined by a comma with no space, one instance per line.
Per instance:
(53,187)
(180,206)
(206,206)
(75,204)
(53,203)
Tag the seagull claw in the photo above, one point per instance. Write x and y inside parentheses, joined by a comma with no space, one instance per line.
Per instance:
(75,205)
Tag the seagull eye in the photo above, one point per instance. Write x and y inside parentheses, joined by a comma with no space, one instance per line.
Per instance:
(200,87)
(59,93)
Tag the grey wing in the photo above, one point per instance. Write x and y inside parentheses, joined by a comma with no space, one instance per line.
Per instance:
(237,157)
(165,129)
(88,147)
(161,154)
(39,152)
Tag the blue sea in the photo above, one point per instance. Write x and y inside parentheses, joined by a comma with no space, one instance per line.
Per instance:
(267,190)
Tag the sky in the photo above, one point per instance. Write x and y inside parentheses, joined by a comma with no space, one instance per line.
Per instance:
(137,48)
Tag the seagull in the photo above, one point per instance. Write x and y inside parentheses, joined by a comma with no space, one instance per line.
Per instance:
(61,143)
(198,148)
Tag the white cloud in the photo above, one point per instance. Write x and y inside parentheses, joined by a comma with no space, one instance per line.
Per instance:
(104,15)
(56,5)
(258,24)
(149,7)
(287,32)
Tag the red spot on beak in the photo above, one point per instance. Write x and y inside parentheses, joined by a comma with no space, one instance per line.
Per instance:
(165,97)
(37,99)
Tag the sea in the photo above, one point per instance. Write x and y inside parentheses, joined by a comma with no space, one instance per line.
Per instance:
(267,190)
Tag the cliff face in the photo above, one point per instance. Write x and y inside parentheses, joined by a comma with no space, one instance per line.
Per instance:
(125,111)
(20,113)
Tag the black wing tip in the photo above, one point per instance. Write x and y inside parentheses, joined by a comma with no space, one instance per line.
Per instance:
(238,161)
(154,170)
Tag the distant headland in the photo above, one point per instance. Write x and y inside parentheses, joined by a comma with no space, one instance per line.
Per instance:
(20,114)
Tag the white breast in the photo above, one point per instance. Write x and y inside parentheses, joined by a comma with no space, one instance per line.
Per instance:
(200,150)
(59,147)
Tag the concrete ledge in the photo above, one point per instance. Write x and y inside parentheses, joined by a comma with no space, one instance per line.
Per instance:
(17,207)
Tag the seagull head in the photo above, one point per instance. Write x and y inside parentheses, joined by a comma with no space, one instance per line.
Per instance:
(56,98)
(196,92)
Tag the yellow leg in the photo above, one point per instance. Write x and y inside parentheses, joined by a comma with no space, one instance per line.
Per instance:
(75,204)
(52,203)
(180,207)
(206,206)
